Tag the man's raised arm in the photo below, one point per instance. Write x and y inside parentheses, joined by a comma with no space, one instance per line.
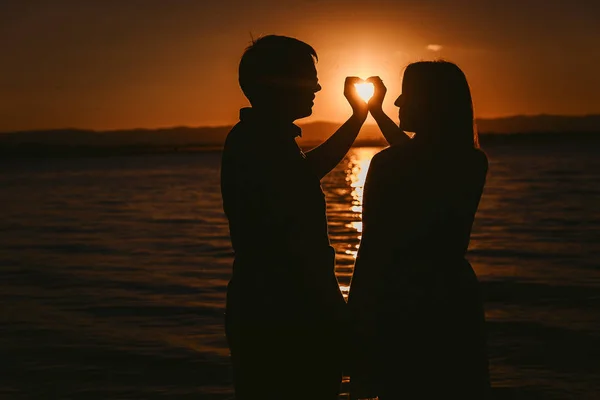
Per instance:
(326,156)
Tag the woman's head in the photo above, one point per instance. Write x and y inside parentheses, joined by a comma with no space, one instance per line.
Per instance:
(436,103)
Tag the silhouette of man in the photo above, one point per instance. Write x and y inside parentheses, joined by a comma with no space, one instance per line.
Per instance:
(285,312)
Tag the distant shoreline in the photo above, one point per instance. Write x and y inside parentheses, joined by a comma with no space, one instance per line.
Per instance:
(66,151)
(53,150)
(69,142)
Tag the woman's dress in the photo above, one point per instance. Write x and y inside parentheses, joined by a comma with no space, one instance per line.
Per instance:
(417,312)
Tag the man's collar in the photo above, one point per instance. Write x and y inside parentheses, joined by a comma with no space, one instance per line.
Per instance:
(250,114)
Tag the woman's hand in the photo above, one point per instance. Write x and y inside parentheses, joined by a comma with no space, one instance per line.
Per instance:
(389,128)
(376,102)
(360,109)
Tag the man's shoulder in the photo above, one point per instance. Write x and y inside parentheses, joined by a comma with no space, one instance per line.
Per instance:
(245,147)
(237,137)
(246,136)
(239,143)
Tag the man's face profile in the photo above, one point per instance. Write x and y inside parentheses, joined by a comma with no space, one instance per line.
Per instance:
(296,92)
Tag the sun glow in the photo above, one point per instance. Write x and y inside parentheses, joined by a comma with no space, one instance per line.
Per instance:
(365,90)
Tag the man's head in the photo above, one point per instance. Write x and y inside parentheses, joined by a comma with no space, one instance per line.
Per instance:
(277,73)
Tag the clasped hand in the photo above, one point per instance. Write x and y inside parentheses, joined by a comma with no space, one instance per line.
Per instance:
(361,108)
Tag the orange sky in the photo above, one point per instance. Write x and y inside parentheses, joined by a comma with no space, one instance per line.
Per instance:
(149,63)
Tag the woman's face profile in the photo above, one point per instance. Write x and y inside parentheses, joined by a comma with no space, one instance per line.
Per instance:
(406,104)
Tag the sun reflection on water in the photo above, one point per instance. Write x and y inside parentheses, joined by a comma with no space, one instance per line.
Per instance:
(356,174)
(344,194)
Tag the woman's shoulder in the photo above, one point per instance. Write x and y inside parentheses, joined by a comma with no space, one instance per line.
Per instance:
(479,159)
(408,153)
(393,155)
(382,157)
(480,155)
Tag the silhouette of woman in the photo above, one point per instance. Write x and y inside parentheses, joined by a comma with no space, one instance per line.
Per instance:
(418,317)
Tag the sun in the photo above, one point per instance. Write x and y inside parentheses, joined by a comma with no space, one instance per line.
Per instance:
(365,90)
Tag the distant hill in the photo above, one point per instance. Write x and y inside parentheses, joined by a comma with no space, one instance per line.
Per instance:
(540,123)
(165,138)
(178,136)
(77,141)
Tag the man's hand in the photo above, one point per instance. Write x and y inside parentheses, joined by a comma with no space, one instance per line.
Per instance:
(376,102)
(360,109)
(326,156)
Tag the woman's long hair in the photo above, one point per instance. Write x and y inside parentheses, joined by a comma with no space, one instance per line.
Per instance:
(437,103)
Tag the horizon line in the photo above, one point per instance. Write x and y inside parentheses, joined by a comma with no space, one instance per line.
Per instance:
(222,126)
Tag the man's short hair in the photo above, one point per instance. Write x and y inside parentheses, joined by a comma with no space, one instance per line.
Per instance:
(271,57)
